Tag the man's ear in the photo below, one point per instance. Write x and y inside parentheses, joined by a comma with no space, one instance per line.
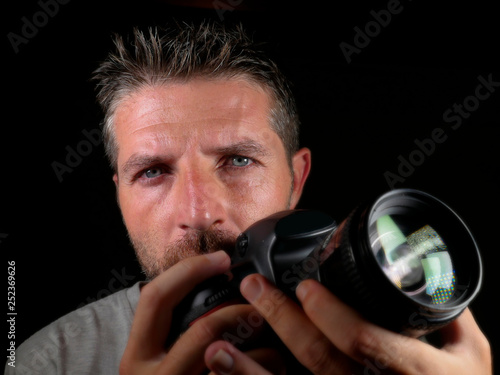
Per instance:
(301,165)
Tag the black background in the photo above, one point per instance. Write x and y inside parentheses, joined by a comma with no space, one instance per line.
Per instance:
(67,238)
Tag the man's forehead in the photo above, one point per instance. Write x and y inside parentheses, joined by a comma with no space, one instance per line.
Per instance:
(191,103)
(212,136)
(207,115)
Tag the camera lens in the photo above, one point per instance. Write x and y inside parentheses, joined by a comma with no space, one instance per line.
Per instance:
(406,261)
(414,257)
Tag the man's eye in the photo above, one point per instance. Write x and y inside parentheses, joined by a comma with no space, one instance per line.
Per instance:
(153,172)
(240,161)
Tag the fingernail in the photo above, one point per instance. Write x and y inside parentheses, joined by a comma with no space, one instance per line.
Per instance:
(302,291)
(222,363)
(218,257)
(251,289)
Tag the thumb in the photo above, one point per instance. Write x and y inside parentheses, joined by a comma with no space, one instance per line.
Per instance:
(222,358)
(463,335)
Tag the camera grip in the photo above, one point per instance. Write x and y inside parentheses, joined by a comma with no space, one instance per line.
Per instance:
(205,299)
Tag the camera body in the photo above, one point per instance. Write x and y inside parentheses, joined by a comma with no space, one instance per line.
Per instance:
(404,260)
(284,247)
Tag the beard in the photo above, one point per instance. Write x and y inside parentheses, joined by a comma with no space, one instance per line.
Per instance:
(154,261)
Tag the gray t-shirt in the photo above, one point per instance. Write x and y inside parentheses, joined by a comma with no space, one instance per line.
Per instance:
(89,340)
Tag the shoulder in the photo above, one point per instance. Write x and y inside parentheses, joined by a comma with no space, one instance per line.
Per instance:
(90,339)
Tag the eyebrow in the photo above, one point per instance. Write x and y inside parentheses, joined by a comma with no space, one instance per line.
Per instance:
(137,161)
(244,148)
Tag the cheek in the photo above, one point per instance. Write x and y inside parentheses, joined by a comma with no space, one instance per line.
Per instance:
(257,198)
(130,209)
(142,212)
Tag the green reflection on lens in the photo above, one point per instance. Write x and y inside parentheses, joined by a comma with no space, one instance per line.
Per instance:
(390,237)
(439,276)
(418,261)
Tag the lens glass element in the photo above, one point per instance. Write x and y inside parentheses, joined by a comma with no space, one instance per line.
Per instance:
(414,257)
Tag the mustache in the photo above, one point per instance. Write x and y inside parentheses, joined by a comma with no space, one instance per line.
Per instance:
(192,243)
(197,242)
(205,242)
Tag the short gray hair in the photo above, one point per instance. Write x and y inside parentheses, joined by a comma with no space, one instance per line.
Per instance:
(186,51)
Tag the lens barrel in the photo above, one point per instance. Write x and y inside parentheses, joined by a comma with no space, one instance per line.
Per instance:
(405,260)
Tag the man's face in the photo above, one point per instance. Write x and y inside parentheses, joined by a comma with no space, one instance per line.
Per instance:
(197,164)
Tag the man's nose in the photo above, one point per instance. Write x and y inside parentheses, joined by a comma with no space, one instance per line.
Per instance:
(199,200)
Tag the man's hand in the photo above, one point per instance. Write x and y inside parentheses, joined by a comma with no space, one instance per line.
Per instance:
(145,352)
(329,337)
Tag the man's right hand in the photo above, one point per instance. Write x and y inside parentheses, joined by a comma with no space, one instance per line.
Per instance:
(145,352)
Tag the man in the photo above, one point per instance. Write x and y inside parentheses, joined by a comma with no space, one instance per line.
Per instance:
(202,133)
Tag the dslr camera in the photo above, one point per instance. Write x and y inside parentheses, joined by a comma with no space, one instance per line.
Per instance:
(404,260)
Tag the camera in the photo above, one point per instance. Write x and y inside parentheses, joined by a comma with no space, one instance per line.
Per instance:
(404,260)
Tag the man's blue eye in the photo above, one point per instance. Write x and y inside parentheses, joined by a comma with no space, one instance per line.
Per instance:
(240,161)
(153,172)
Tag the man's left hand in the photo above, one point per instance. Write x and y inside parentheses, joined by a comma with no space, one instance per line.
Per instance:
(329,337)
